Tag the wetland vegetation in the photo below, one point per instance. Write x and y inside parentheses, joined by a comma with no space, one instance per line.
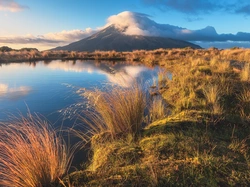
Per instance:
(193,130)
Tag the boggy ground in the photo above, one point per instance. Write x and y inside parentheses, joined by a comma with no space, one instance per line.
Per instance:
(197,134)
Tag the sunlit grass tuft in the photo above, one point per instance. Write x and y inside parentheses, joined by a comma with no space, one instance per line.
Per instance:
(244,101)
(245,72)
(157,108)
(31,154)
(118,111)
(213,95)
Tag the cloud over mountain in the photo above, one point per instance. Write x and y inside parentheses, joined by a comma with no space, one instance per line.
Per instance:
(11,5)
(132,23)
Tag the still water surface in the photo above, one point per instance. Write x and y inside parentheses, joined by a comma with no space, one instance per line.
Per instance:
(49,88)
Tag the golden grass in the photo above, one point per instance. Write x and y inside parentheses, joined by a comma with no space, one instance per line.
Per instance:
(31,154)
(185,148)
(162,79)
(148,57)
(223,66)
(157,108)
(118,111)
(244,101)
(245,72)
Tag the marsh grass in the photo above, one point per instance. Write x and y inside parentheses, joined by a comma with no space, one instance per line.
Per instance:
(31,154)
(117,110)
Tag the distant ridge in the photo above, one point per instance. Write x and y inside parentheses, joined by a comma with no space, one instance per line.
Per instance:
(112,38)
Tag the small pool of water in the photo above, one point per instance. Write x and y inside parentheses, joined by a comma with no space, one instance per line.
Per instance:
(49,88)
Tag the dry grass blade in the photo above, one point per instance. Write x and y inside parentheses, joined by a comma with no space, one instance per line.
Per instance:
(31,154)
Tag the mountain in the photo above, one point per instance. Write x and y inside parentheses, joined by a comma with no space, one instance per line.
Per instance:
(114,38)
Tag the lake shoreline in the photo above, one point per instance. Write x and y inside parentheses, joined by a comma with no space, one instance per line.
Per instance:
(197,125)
(148,58)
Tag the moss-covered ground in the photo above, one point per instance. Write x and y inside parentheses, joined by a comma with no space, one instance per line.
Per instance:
(202,140)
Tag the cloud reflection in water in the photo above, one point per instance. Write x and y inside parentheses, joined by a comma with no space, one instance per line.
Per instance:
(123,75)
(13,93)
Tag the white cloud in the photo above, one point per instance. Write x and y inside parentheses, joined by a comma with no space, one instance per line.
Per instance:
(59,37)
(46,41)
(131,23)
(11,5)
(69,36)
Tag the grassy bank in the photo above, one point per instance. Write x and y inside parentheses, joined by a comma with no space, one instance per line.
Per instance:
(193,130)
(198,135)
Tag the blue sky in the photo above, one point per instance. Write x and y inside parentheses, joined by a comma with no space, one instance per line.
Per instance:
(48,23)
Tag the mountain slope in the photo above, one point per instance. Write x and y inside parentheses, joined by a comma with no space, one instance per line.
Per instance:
(112,38)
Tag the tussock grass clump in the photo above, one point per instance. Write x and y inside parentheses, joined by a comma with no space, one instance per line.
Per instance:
(245,72)
(119,111)
(244,96)
(31,154)
(213,96)
(244,102)
(157,108)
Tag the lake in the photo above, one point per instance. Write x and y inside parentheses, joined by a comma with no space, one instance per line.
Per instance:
(49,88)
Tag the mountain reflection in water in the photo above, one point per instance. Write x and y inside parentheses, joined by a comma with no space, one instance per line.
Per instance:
(40,86)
